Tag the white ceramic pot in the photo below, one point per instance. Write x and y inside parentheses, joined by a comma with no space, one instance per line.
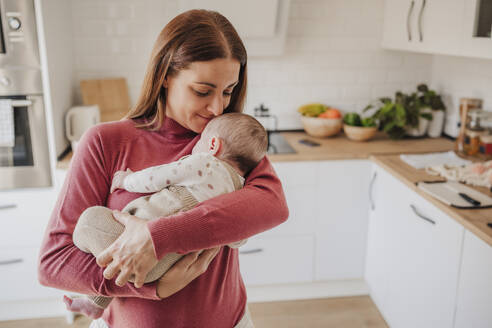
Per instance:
(421,129)
(437,124)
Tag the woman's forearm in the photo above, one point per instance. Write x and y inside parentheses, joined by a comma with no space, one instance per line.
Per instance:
(62,265)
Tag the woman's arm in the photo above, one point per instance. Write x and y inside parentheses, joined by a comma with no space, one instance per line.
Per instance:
(61,264)
(259,206)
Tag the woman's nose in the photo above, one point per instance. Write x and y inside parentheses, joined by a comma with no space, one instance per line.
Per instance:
(216,106)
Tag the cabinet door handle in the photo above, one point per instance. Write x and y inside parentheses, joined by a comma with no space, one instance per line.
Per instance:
(12,261)
(420,215)
(7,206)
(252,251)
(421,34)
(371,185)
(409,15)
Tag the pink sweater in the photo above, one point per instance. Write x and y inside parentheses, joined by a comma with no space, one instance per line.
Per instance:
(217,298)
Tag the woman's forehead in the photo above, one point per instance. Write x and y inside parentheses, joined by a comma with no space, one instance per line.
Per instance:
(217,71)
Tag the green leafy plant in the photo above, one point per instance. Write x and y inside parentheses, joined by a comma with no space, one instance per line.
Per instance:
(395,116)
(354,119)
(429,98)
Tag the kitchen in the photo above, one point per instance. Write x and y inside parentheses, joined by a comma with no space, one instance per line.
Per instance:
(345,54)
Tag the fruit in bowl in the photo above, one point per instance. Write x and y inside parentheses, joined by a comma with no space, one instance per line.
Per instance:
(320,120)
(357,128)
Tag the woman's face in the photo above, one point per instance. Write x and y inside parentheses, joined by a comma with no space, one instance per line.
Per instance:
(202,91)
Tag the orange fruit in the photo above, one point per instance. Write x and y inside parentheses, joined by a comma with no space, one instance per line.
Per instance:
(331,113)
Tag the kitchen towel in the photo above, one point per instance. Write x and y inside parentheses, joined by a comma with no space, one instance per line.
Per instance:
(7,132)
(421,161)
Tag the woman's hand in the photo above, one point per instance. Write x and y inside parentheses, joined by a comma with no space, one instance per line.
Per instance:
(119,179)
(185,271)
(131,254)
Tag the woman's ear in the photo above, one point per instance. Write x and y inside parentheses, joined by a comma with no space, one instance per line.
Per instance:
(165,84)
(214,145)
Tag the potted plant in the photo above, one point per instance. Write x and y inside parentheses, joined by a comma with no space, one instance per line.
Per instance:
(357,128)
(401,116)
(432,102)
(418,117)
(390,116)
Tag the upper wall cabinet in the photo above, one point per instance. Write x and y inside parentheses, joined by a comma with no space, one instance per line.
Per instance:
(477,30)
(262,24)
(431,26)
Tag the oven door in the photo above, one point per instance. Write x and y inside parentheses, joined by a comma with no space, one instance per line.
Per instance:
(26,164)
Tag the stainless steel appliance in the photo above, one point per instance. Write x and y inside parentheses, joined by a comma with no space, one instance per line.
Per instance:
(276,142)
(26,164)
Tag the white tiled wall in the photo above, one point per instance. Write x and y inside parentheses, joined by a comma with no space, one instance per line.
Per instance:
(458,77)
(333,53)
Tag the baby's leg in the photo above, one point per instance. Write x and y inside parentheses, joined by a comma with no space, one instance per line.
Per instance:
(96,230)
(83,305)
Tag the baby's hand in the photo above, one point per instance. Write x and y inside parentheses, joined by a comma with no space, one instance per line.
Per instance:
(119,179)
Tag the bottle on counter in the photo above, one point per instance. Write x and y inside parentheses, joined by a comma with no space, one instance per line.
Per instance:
(468,140)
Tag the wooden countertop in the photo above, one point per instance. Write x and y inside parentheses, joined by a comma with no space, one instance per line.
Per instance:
(474,220)
(340,147)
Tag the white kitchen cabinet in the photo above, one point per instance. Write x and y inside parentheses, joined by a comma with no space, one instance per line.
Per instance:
(328,202)
(430,26)
(475,285)
(412,264)
(24,214)
(342,208)
(299,181)
(399,29)
(277,260)
(18,273)
(477,41)
(377,266)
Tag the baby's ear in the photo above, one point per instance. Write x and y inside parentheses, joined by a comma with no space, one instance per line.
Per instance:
(214,145)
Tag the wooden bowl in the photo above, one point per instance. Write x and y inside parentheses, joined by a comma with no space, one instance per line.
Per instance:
(359,133)
(321,127)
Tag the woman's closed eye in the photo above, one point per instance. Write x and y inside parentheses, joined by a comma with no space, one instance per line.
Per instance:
(226,93)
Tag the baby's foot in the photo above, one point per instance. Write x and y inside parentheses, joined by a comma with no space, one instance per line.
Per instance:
(84,306)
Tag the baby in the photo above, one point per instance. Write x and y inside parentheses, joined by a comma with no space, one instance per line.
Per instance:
(230,146)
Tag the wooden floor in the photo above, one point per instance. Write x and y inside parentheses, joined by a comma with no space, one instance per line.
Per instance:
(346,312)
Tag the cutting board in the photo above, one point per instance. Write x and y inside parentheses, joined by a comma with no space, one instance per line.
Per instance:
(111,95)
(447,192)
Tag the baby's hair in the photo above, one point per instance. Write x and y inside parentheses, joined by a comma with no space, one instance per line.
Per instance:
(245,140)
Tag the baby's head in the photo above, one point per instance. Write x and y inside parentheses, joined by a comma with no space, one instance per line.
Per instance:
(236,138)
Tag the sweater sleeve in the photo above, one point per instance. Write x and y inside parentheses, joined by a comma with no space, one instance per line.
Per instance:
(61,264)
(224,219)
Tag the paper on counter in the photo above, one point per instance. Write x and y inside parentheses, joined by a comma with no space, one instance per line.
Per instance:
(420,161)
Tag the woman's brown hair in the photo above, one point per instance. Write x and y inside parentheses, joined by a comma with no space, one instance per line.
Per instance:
(195,35)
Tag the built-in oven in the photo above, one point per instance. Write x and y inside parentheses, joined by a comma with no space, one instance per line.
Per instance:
(24,152)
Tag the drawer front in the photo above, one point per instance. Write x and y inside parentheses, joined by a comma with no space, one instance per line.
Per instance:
(18,274)
(277,260)
(24,216)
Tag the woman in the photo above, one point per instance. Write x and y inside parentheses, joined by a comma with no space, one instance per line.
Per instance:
(197,71)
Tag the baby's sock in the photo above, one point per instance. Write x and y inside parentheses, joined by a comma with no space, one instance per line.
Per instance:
(84,306)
